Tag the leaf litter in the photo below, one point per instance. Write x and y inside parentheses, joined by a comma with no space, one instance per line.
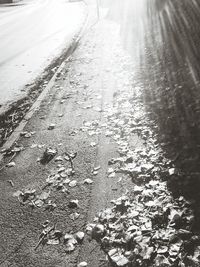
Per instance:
(60,179)
(50,235)
(147,226)
(144,227)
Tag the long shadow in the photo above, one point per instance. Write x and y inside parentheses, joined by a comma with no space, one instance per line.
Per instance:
(169,70)
(170,73)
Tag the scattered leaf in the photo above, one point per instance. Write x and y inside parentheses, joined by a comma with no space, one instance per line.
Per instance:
(82,264)
(73,203)
(51,126)
(88,181)
(73,183)
(11,164)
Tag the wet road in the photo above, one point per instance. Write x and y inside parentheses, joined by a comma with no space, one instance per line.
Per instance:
(32,34)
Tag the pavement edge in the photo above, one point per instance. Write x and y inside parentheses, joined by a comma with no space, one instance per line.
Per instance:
(16,133)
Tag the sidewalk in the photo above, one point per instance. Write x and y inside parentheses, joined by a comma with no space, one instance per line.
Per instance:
(103,145)
(84,88)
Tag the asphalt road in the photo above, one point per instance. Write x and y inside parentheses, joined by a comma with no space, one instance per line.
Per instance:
(32,34)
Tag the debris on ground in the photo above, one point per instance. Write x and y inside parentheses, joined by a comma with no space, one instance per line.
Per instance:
(88,181)
(50,205)
(71,241)
(79,236)
(48,155)
(59,158)
(93,144)
(82,264)
(147,226)
(11,120)
(51,126)
(37,146)
(11,183)
(52,236)
(49,236)
(74,216)
(95,170)
(27,134)
(73,203)
(11,164)
(26,195)
(70,156)
(73,183)
(12,151)
(59,179)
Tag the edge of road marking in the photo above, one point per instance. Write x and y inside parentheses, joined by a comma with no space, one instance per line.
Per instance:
(16,133)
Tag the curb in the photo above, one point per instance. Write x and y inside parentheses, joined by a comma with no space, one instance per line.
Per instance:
(16,133)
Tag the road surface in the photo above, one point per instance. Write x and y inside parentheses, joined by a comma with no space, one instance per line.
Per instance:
(32,34)
(92,110)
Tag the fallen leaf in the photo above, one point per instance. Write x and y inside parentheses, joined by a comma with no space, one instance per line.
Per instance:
(68,237)
(73,203)
(11,164)
(69,247)
(110,170)
(48,155)
(51,126)
(117,258)
(73,183)
(88,181)
(79,236)
(82,264)
(93,144)
(59,158)
(44,195)
(97,168)
(74,216)
(39,203)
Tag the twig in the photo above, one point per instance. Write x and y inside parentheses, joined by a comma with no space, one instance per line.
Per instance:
(8,161)
(94,248)
(13,116)
(11,183)
(70,160)
(45,235)
(6,133)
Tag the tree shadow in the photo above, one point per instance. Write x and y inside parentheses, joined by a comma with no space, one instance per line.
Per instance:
(170,73)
